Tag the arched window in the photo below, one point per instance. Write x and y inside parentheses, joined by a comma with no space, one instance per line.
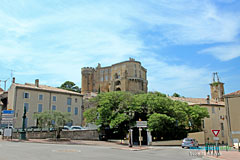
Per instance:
(118,89)
(117,83)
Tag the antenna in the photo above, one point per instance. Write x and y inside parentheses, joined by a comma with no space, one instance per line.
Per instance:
(12,73)
(5,84)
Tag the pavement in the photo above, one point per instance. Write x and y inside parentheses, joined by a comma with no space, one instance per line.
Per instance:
(227,155)
(224,155)
(36,150)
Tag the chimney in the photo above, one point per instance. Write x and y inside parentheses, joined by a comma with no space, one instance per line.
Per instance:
(208,99)
(37,82)
(13,80)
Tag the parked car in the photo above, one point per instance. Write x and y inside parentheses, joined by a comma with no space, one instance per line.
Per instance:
(65,128)
(75,128)
(189,142)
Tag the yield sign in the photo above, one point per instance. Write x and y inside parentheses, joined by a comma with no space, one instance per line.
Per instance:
(215,132)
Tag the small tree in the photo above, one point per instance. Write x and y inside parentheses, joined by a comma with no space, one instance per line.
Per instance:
(71,86)
(52,119)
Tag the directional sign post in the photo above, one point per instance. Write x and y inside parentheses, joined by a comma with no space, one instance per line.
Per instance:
(215,133)
(7,117)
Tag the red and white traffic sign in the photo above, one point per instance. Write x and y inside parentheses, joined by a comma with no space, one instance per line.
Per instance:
(215,132)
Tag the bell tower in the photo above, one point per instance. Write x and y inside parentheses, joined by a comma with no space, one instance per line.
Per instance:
(217,89)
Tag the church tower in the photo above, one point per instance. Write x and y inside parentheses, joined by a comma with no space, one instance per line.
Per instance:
(217,89)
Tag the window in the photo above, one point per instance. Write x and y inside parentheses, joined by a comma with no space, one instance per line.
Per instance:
(101,78)
(54,107)
(69,101)
(213,110)
(39,107)
(40,97)
(69,109)
(222,127)
(26,95)
(203,125)
(76,111)
(106,78)
(54,98)
(27,106)
(75,100)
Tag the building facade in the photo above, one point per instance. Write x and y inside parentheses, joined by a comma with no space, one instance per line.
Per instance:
(124,76)
(232,102)
(39,98)
(217,111)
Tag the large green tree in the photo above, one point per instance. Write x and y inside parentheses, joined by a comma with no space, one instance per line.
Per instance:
(120,110)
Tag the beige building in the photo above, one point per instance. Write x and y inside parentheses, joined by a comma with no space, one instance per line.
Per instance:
(216,109)
(217,117)
(124,76)
(39,98)
(232,102)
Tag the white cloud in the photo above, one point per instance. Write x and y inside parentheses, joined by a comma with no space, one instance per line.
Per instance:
(224,52)
(170,78)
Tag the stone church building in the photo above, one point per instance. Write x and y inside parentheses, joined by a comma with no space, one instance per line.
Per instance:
(124,76)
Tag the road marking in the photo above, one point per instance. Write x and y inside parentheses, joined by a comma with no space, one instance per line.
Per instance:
(66,150)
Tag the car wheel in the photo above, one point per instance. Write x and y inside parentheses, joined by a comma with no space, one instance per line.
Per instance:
(182,147)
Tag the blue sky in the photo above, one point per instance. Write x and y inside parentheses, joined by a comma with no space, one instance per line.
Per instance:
(180,42)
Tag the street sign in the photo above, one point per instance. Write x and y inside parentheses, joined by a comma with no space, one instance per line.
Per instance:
(7,117)
(216,138)
(8,112)
(7,132)
(215,132)
(235,140)
(141,124)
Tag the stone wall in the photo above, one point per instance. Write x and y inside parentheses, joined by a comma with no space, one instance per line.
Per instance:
(74,135)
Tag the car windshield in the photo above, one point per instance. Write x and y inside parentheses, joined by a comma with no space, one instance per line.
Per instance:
(187,139)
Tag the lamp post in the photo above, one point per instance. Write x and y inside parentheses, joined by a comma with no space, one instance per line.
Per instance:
(23,132)
(130,137)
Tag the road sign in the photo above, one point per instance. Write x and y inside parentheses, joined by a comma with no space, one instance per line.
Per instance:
(7,117)
(7,132)
(141,124)
(235,140)
(215,132)
(8,112)
(216,138)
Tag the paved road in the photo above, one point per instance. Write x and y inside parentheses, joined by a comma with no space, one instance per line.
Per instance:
(39,151)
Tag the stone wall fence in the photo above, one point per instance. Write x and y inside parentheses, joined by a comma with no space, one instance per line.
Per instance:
(73,135)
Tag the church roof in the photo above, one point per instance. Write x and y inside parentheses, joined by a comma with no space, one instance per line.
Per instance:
(197,101)
(233,94)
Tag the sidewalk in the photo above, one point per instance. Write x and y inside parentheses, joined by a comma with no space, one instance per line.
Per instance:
(116,145)
(227,155)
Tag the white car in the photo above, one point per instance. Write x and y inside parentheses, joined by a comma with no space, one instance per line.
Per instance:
(76,128)
(189,142)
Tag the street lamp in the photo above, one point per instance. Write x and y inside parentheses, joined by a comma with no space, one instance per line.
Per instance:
(130,137)
(23,132)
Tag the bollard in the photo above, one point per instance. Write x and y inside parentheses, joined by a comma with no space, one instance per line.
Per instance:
(206,148)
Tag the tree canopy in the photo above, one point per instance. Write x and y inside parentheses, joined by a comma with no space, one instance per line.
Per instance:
(120,110)
(71,86)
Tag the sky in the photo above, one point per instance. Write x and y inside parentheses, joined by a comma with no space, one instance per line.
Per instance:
(180,42)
